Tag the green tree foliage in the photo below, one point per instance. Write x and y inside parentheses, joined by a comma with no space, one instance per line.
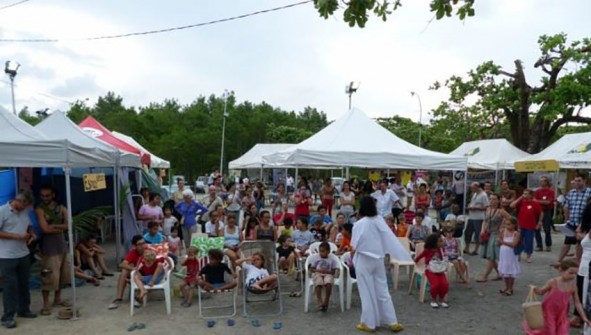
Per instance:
(357,12)
(494,102)
(190,135)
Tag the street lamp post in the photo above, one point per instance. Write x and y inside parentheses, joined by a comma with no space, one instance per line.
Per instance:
(350,89)
(11,69)
(223,131)
(420,115)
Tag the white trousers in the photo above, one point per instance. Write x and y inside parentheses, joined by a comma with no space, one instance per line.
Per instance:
(377,308)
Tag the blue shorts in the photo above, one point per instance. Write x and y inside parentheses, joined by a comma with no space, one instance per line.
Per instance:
(147,279)
(218,285)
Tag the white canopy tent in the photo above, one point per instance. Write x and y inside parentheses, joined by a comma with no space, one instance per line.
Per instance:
(355,140)
(253,158)
(155,161)
(21,145)
(572,151)
(494,154)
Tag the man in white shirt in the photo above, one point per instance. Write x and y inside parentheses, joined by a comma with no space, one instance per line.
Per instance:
(385,199)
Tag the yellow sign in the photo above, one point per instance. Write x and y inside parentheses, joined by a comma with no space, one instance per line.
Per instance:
(94,182)
(533,166)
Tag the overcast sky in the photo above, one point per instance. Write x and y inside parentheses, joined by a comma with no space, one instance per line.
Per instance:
(290,58)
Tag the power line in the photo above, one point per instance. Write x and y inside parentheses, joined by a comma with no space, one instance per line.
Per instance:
(47,95)
(158,31)
(14,4)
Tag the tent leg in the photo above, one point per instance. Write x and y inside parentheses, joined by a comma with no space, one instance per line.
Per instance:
(117,218)
(71,239)
(465,193)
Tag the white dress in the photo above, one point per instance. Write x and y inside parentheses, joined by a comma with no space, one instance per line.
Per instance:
(508,261)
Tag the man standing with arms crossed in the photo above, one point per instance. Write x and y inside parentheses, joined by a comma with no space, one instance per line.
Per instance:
(15,233)
(476,210)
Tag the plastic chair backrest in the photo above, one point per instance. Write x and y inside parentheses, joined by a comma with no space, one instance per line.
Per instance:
(419,247)
(314,248)
(405,243)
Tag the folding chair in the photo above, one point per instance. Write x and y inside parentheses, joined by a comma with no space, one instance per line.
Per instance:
(267,249)
(350,281)
(339,281)
(231,292)
(164,285)
(396,264)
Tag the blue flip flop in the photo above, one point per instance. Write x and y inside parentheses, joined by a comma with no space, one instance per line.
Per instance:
(210,323)
(255,323)
(230,322)
(277,325)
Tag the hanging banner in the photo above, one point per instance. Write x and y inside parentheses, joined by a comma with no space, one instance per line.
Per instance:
(94,182)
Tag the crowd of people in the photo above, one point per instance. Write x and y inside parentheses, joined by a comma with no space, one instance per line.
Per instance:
(502,225)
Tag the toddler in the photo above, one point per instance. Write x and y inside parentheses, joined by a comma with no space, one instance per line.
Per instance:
(509,267)
(345,244)
(437,280)
(323,268)
(190,280)
(286,253)
(257,277)
(150,272)
(175,244)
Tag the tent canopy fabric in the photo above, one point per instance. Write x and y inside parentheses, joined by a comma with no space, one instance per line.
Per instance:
(21,145)
(494,154)
(572,151)
(59,126)
(155,161)
(253,158)
(95,129)
(355,140)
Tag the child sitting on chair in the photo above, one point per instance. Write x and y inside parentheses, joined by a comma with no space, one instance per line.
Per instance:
(257,277)
(345,245)
(150,272)
(286,253)
(302,237)
(323,269)
(190,280)
(451,250)
(212,274)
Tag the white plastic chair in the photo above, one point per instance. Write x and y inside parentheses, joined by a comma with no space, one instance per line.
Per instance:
(419,269)
(164,285)
(350,281)
(338,281)
(396,264)
(313,249)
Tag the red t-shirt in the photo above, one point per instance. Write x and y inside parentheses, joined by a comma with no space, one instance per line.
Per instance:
(529,214)
(303,208)
(132,257)
(192,269)
(545,194)
(146,270)
(277,216)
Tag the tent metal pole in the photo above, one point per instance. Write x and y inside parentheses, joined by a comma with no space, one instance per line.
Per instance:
(465,195)
(67,171)
(16,181)
(117,216)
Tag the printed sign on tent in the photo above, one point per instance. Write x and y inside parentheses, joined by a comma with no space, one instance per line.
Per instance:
(94,182)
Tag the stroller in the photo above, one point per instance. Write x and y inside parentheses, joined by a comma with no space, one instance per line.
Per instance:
(250,296)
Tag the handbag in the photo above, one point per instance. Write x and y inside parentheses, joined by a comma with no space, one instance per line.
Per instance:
(437,265)
(484,236)
(532,310)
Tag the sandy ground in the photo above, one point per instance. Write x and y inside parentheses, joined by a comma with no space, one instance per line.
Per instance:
(474,309)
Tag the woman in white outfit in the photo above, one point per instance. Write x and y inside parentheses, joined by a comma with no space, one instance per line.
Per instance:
(372,239)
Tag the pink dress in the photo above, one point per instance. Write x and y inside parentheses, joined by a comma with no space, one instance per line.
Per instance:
(555,308)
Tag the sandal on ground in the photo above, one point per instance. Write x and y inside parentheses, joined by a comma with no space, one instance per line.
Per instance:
(132,327)
(277,325)
(365,328)
(395,328)
(508,293)
(503,292)
(45,311)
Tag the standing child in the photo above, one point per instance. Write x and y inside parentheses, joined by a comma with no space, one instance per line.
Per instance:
(169,221)
(559,291)
(286,252)
(451,250)
(175,244)
(509,267)
(257,277)
(190,280)
(437,280)
(323,268)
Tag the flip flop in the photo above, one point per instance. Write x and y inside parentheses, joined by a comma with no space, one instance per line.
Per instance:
(230,322)
(255,323)
(132,327)
(210,323)
(45,311)
(277,325)
(141,326)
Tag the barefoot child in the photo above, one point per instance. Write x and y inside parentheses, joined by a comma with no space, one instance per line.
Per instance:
(509,267)
(451,250)
(323,270)
(437,280)
(150,272)
(212,274)
(257,277)
(559,291)
(190,280)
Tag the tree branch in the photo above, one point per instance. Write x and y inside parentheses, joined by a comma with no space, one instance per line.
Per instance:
(574,118)
(512,75)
